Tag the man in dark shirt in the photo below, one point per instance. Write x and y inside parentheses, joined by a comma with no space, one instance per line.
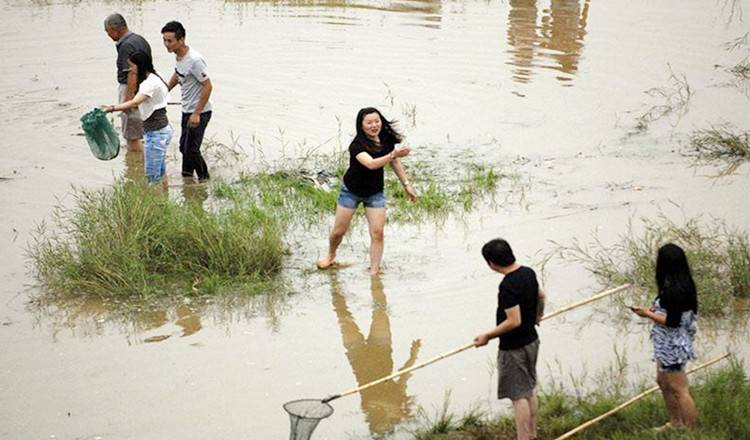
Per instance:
(520,306)
(126,43)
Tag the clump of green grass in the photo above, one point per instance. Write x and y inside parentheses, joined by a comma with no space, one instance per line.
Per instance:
(721,143)
(132,242)
(719,257)
(560,412)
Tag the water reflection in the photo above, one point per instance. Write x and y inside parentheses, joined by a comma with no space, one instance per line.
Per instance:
(386,404)
(134,166)
(181,317)
(555,43)
(428,11)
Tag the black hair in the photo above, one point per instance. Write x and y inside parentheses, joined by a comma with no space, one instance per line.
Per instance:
(674,280)
(498,251)
(176,27)
(387,136)
(145,65)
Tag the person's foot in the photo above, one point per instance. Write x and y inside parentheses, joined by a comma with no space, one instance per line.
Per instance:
(325,262)
(663,428)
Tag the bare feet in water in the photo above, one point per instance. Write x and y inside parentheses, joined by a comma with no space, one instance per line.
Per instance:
(326,262)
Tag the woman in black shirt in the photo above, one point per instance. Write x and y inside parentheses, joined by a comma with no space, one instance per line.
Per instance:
(372,149)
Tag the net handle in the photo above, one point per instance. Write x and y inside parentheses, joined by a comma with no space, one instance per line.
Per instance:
(400,372)
(471,344)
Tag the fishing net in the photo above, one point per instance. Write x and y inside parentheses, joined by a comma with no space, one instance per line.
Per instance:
(304,415)
(100,134)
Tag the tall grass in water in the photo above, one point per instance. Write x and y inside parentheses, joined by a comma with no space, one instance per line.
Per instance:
(132,242)
(719,417)
(722,143)
(719,258)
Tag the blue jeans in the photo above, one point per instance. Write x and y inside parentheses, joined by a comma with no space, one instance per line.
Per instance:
(155,152)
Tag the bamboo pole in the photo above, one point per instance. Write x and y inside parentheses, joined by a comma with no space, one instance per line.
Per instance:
(586,301)
(471,344)
(632,400)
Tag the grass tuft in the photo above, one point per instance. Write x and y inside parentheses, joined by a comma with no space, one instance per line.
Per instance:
(132,242)
(721,143)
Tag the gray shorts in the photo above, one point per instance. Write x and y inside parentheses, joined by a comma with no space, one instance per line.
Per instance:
(517,372)
(132,125)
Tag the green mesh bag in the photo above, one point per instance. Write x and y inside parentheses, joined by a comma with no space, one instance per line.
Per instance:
(100,134)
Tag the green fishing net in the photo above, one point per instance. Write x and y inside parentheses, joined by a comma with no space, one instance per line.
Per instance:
(100,134)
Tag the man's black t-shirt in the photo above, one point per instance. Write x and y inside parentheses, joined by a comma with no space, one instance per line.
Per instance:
(521,288)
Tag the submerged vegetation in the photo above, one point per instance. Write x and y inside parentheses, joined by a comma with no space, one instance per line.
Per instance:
(561,411)
(675,99)
(723,142)
(719,257)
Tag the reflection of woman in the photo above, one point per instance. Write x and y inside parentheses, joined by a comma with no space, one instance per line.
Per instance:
(371,358)
(151,100)
(371,150)
(674,314)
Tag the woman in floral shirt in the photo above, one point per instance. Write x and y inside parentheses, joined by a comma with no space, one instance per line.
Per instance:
(674,313)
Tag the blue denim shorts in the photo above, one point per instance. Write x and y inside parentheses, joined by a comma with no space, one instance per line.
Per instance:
(155,152)
(348,199)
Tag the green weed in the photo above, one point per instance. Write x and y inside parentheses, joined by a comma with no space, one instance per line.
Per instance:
(132,242)
(675,99)
(722,143)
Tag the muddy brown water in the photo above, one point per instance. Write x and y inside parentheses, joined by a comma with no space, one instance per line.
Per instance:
(550,91)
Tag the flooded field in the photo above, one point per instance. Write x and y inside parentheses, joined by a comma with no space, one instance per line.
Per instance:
(588,104)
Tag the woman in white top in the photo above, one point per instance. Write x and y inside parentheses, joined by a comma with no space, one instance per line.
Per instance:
(151,100)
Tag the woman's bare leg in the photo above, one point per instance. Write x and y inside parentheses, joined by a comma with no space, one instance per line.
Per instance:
(340,226)
(376,223)
(680,405)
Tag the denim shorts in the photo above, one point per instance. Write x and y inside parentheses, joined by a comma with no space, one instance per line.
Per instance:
(155,152)
(348,199)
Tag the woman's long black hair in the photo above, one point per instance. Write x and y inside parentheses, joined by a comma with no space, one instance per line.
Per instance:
(674,280)
(145,65)
(388,135)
